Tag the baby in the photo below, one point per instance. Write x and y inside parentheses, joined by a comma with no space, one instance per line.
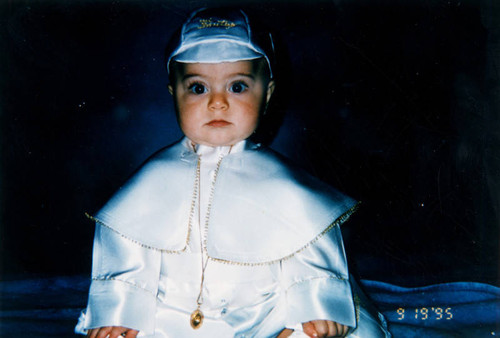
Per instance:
(216,236)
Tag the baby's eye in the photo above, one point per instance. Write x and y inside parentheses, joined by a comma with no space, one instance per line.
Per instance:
(197,88)
(238,87)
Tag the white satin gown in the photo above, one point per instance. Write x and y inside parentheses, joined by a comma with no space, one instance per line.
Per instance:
(154,289)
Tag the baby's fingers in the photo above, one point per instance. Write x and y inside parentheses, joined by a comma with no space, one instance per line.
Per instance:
(336,329)
(112,332)
(309,329)
(131,334)
(324,328)
(120,331)
(101,332)
(345,330)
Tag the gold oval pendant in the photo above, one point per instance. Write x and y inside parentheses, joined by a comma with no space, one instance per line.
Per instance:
(196,319)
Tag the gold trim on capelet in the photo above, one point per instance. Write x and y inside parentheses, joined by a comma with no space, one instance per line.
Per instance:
(266,209)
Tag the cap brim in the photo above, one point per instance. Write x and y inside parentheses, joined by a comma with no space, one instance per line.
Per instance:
(215,52)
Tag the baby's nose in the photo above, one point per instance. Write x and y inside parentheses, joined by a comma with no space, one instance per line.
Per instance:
(218,101)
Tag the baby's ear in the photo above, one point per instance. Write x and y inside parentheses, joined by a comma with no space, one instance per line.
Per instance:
(270,90)
(170,89)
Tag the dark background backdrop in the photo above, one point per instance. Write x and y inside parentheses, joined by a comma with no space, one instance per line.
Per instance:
(396,103)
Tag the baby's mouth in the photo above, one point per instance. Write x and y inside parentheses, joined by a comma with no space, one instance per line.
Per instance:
(218,123)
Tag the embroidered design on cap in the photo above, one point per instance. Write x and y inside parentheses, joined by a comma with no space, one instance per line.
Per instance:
(208,23)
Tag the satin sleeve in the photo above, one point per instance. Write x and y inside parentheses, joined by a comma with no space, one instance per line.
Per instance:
(124,283)
(316,281)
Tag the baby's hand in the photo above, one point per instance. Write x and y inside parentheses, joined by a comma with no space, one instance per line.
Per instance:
(324,328)
(112,332)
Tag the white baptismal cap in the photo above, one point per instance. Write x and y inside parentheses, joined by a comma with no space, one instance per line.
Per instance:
(220,35)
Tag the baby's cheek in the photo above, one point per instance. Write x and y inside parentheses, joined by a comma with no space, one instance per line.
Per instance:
(188,128)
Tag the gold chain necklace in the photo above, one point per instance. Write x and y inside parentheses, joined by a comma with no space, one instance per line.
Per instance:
(197,317)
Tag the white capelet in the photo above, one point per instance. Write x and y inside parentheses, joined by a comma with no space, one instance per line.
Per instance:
(263,208)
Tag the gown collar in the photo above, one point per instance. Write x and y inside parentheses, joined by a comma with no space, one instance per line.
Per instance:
(218,151)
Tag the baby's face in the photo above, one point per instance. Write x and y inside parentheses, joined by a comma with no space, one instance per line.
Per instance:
(219,104)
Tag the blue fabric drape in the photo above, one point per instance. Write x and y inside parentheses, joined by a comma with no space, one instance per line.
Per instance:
(49,307)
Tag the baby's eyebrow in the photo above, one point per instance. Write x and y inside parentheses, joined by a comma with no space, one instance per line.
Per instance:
(249,75)
(191,75)
(188,76)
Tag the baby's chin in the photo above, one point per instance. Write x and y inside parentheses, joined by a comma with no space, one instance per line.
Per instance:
(218,141)
(218,144)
